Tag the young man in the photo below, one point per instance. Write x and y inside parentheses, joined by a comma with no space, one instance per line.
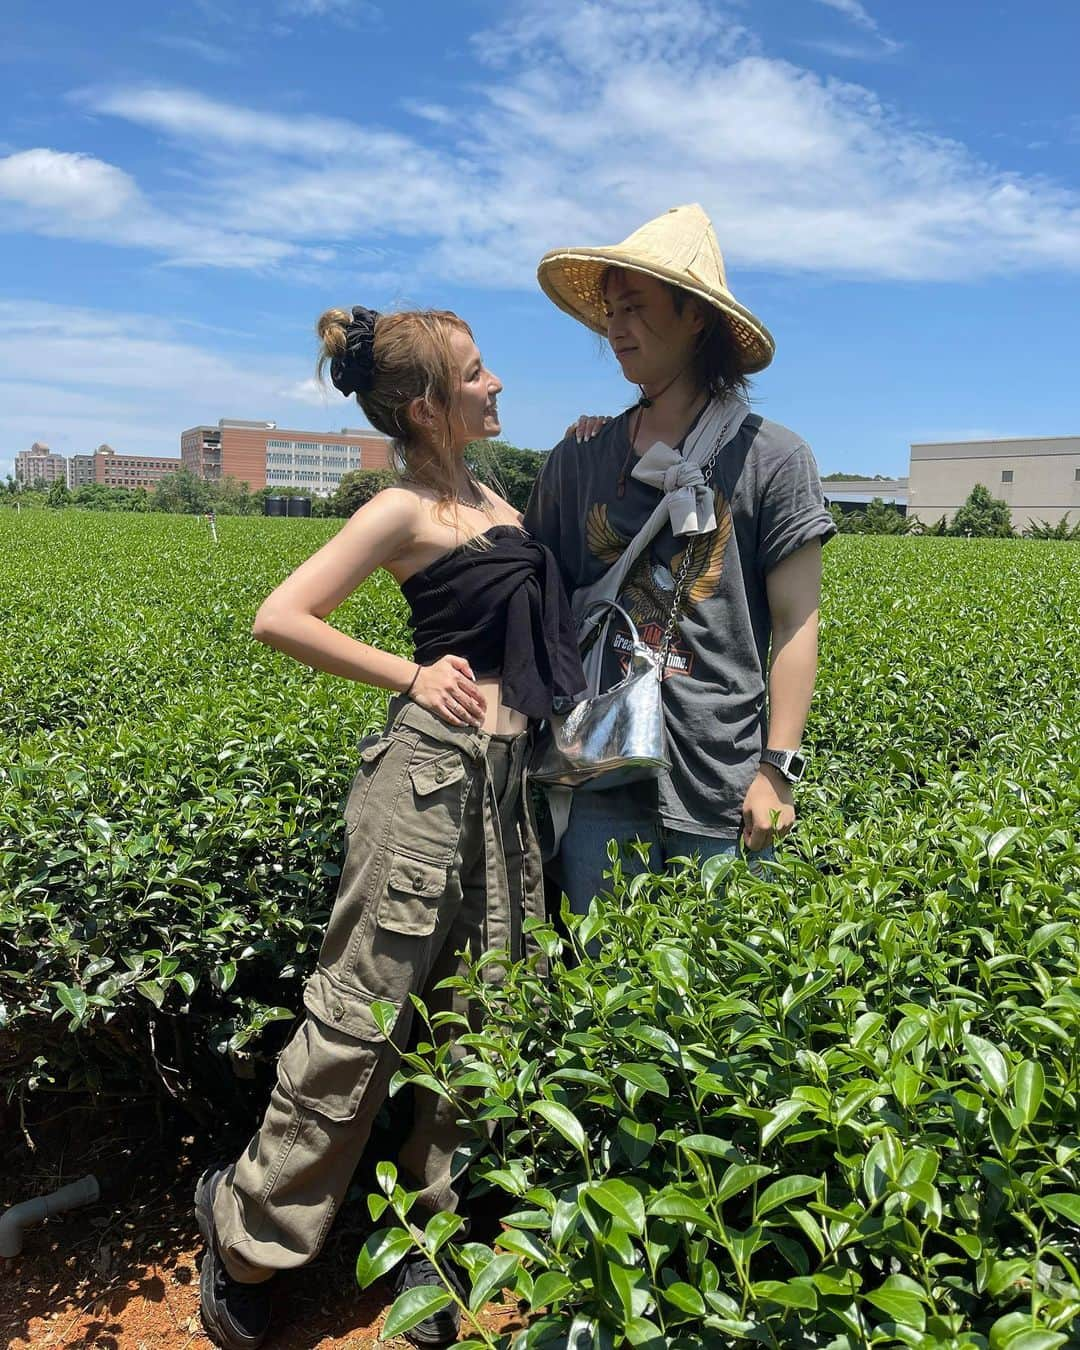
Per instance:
(754,530)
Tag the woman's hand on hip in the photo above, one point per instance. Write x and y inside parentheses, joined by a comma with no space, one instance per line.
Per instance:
(449,690)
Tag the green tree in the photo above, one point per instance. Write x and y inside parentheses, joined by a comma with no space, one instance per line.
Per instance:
(1042,529)
(230,497)
(98,497)
(846,522)
(355,489)
(853,478)
(182,493)
(509,471)
(58,494)
(982,516)
(882,518)
(935,528)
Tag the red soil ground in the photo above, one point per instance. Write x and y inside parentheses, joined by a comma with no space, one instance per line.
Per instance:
(122,1274)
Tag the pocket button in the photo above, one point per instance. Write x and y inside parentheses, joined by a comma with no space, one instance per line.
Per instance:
(440,774)
(338,1011)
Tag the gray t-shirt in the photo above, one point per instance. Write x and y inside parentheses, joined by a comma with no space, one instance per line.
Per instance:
(586,508)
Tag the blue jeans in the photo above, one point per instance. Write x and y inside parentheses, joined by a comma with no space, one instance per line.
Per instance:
(626,814)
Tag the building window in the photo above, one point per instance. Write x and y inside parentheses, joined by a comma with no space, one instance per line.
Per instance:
(1006,475)
(1076,475)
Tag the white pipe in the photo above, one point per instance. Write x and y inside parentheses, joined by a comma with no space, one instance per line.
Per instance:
(12,1222)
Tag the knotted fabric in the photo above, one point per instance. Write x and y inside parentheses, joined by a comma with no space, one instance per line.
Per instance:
(504,609)
(688,499)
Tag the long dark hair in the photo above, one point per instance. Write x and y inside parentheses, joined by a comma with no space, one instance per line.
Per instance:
(719,363)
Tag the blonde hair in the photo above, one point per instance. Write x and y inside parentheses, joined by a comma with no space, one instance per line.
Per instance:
(413,359)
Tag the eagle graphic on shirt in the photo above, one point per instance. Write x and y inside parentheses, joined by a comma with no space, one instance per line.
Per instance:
(647,590)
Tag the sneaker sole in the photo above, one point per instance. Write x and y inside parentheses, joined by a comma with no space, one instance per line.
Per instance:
(431,1342)
(437,1340)
(204,1217)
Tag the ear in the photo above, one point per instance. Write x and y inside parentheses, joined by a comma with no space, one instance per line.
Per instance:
(420,413)
(700,321)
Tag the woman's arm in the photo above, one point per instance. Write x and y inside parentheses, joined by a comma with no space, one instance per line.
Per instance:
(293,617)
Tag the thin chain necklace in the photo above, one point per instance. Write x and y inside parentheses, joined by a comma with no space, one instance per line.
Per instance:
(643,403)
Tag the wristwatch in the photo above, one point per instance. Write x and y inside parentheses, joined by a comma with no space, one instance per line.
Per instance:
(789,763)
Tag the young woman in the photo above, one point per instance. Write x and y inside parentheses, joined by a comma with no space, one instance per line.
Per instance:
(441,852)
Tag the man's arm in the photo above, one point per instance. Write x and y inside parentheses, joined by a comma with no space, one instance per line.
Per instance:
(793,588)
(542,517)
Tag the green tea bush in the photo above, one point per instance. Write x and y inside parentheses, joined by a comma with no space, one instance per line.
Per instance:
(170,795)
(809,1110)
(838,1105)
(887,1024)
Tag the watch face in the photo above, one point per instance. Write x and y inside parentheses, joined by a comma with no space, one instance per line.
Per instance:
(796,766)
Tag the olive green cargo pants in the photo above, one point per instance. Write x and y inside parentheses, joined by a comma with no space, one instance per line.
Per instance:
(441,858)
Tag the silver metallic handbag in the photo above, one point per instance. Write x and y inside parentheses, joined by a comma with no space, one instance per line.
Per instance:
(616,736)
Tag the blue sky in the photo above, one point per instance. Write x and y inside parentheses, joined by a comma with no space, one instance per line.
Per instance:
(184,187)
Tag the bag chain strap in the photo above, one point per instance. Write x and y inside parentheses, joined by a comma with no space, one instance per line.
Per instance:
(688,557)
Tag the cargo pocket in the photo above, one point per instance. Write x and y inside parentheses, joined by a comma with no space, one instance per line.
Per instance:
(410,902)
(372,748)
(429,826)
(328,1064)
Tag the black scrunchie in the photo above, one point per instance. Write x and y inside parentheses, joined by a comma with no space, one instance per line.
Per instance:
(354,373)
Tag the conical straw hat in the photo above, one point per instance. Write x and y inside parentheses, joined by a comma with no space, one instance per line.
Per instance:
(680,247)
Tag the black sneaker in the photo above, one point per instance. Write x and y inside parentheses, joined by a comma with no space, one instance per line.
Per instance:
(440,1328)
(236,1316)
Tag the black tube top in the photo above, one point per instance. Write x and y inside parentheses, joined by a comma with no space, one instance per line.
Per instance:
(505,610)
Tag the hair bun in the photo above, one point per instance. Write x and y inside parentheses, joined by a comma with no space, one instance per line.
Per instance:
(331,330)
(353,371)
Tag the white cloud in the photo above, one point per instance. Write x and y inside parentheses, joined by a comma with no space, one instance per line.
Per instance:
(854,11)
(862,19)
(203,121)
(192,46)
(135,381)
(311,392)
(590,118)
(53,182)
(75,196)
(336,9)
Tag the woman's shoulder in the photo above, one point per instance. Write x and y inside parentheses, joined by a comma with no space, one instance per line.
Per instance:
(400,503)
(506,513)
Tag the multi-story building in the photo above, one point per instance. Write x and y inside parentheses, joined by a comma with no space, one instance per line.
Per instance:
(261,454)
(1038,476)
(80,471)
(39,465)
(856,494)
(131,471)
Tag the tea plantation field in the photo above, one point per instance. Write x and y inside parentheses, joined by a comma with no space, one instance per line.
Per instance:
(839,1106)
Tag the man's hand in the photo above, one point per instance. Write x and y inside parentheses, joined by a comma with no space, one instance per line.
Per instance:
(768,799)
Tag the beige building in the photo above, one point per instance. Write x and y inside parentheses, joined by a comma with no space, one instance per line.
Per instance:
(1038,476)
(39,465)
(80,471)
(131,471)
(261,454)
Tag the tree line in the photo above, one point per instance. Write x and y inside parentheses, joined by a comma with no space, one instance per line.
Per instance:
(982,516)
(508,469)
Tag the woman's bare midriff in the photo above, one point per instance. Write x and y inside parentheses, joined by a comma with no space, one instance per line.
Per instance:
(498,719)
